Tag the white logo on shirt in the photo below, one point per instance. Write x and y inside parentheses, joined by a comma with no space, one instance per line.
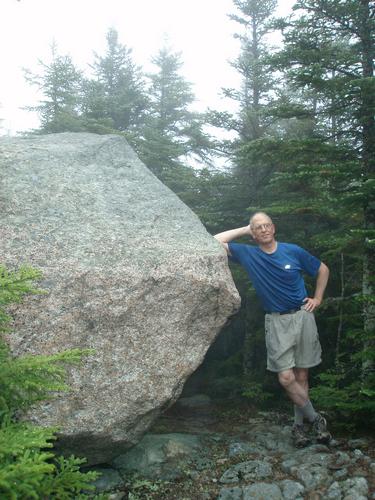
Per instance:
(287,266)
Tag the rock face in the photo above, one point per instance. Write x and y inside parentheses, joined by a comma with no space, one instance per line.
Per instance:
(130,272)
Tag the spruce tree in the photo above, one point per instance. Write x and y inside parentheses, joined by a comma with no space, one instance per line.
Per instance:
(257,79)
(173,134)
(258,88)
(28,468)
(115,98)
(60,84)
(251,124)
(329,52)
(313,171)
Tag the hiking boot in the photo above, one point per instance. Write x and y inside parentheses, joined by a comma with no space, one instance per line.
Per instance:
(299,436)
(319,428)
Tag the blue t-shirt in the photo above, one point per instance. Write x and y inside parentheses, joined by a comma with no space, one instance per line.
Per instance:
(277,277)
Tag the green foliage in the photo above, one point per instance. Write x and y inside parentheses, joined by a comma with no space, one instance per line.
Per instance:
(139,488)
(172,133)
(60,82)
(312,168)
(342,393)
(345,388)
(13,286)
(258,81)
(212,194)
(256,394)
(224,376)
(28,379)
(116,97)
(328,55)
(28,469)
(68,481)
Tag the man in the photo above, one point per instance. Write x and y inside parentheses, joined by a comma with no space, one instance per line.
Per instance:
(292,340)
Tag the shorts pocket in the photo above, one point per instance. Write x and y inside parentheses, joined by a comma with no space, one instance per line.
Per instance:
(267,324)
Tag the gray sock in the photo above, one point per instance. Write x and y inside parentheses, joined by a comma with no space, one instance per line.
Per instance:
(308,411)
(298,415)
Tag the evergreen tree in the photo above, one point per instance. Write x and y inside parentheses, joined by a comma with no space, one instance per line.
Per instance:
(257,79)
(95,115)
(116,98)
(329,53)
(60,83)
(258,83)
(258,89)
(173,133)
(28,469)
(313,171)
(252,123)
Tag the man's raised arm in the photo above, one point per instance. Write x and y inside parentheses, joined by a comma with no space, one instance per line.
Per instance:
(225,237)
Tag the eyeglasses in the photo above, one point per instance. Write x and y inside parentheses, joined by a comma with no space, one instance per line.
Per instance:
(265,226)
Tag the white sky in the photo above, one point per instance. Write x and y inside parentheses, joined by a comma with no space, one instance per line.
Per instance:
(200,29)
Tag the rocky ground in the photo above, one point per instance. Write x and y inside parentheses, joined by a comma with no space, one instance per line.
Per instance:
(202,451)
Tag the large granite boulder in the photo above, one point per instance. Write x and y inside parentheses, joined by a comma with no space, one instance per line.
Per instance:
(130,272)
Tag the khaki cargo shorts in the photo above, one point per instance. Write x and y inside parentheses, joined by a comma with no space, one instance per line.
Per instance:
(292,340)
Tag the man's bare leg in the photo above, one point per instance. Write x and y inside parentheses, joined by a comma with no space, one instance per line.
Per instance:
(302,377)
(296,391)
(295,382)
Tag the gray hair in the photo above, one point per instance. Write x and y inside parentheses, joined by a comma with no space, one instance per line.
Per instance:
(259,213)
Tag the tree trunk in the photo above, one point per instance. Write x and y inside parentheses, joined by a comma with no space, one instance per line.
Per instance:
(368,157)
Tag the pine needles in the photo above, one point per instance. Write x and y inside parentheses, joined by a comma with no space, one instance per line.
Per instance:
(28,467)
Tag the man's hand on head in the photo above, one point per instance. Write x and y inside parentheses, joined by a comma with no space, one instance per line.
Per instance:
(311,303)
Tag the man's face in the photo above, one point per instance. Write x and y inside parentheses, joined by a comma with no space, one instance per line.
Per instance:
(262,229)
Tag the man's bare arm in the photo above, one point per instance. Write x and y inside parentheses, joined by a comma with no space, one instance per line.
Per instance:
(225,237)
(321,283)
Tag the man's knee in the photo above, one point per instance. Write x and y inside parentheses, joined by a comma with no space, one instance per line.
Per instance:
(301,375)
(286,377)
